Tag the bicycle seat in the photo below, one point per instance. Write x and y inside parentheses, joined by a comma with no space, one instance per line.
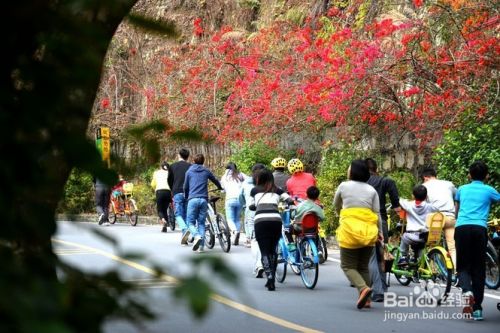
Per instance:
(213,199)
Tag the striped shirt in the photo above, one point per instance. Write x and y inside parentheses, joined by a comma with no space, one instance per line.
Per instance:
(266,203)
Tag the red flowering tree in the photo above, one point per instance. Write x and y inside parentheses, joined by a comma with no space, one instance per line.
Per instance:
(414,74)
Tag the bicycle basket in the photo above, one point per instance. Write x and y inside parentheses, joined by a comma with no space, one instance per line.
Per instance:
(128,188)
(435,223)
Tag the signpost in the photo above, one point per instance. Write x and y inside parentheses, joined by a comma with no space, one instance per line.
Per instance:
(103,144)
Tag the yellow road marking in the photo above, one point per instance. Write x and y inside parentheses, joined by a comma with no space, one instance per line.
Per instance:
(218,298)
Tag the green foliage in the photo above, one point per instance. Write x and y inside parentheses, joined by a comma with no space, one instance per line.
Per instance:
(333,171)
(252,4)
(249,153)
(465,145)
(405,181)
(144,194)
(297,15)
(78,193)
(49,81)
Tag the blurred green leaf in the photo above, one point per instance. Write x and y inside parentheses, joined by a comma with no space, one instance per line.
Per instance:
(153,26)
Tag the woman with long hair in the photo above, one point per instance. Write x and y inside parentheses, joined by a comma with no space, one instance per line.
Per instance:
(232,182)
(264,199)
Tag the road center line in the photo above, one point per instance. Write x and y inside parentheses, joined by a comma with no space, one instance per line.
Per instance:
(218,298)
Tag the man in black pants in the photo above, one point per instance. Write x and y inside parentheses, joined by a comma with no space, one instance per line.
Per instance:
(383,186)
(102,193)
(176,177)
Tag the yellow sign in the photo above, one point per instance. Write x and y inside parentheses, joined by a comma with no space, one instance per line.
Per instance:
(106,149)
(105,132)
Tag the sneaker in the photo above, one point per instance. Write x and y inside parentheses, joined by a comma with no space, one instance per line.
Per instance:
(468,301)
(368,304)
(477,315)
(248,243)
(107,224)
(185,236)
(197,243)
(164,228)
(259,273)
(378,298)
(190,239)
(403,261)
(236,239)
(100,220)
(201,249)
(364,296)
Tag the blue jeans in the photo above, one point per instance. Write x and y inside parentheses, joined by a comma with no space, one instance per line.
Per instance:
(180,211)
(197,214)
(233,212)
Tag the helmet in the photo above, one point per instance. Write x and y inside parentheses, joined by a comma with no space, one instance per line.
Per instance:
(278,162)
(295,165)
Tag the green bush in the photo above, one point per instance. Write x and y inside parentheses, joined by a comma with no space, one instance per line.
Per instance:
(78,194)
(333,171)
(405,181)
(249,153)
(465,145)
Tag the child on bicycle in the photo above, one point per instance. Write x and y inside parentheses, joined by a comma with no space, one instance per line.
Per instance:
(416,229)
(308,206)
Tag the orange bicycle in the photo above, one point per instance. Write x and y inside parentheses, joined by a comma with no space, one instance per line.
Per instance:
(123,204)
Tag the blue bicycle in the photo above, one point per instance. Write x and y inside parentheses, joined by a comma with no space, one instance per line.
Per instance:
(306,259)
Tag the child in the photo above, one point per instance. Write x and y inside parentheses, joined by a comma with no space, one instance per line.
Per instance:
(473,205)
(416,213)
(309,206)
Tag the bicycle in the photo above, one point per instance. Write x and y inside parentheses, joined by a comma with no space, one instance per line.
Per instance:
(124,205)
(306,259)
(216,226)
(434,263)
(492,280)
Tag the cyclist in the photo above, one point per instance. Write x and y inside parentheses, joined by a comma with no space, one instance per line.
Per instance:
(300,181)
(309,206)
(473,205)
(280,177)
(162,192)
(416,229)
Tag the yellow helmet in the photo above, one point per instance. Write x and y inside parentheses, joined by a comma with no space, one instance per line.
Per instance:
(278,162)
(295,165)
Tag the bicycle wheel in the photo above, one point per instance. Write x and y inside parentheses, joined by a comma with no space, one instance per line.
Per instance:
(492,280)
(402,279)
(209,235)
(171,217)
(440,273)
(310,268)
(112,213)
(224,234)
(282,262)
(132,215)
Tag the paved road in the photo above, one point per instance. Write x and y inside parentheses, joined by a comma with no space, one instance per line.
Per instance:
(330,307)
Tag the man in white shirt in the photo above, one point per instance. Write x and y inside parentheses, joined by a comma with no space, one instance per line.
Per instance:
(440,194)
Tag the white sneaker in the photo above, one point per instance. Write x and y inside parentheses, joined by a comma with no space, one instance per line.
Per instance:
(100,220)
(107,224)
(201,249)
(197,243)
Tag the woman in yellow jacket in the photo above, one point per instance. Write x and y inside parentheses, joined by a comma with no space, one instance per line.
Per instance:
(360,227)
(163,194)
